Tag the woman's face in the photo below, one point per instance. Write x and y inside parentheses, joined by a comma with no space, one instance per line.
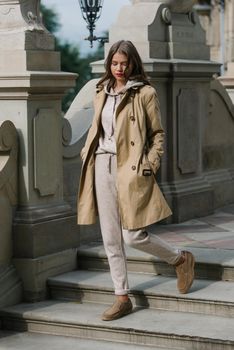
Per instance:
(119,65)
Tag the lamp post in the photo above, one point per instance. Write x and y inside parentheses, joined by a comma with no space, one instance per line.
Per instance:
(91,11)
(222,35)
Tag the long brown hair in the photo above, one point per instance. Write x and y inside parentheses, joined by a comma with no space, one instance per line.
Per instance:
(136,72)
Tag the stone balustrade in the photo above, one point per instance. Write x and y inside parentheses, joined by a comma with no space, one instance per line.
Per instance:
(10,291)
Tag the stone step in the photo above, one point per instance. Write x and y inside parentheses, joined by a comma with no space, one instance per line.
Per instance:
(30,340)
(146,290)
(169,329)
(210,263)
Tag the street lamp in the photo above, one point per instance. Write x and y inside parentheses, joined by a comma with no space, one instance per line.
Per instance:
(222,35)
(91,11)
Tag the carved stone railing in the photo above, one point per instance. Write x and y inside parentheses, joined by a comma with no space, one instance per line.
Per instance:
(10,291)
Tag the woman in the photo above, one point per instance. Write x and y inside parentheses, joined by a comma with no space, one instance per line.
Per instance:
(120,159)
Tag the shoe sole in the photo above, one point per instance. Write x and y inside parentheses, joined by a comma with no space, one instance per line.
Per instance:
(191,264)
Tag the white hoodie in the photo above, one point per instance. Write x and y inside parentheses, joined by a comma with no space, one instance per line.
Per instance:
(106,141)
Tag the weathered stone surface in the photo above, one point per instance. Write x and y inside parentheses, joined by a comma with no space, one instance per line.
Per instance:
(188,119)
(180,6)
(34,272)
(8,187)
(32,240)
(159,33)
(46,164)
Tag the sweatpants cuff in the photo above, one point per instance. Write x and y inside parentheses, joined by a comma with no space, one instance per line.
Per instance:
(121,292)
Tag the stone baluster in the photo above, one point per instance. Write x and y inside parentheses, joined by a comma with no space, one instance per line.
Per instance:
(10,291)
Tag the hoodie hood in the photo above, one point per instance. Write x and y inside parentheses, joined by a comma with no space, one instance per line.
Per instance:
(131,84)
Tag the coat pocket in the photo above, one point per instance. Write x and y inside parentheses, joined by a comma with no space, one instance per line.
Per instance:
(154,166)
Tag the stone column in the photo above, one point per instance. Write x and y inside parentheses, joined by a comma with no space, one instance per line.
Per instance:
(31,88)
(173,47)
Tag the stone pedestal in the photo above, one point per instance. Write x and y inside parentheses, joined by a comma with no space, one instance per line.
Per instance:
(31,88)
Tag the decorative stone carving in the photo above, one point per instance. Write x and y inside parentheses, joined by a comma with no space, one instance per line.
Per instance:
(21,15)
(166,15)
(21,27)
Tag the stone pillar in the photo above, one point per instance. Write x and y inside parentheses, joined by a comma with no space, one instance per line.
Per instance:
(173,47)
(31,88)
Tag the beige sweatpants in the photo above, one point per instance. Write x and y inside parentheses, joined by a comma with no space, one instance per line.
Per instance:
(114,236)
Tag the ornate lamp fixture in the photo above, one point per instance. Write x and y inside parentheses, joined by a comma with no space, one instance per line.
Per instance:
(91,11)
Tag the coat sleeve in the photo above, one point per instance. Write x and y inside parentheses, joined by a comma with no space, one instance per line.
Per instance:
(154,130)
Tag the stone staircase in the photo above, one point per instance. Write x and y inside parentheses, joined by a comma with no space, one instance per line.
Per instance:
(162,318)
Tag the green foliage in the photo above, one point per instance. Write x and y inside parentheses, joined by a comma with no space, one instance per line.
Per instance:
(50,19)
(71,60)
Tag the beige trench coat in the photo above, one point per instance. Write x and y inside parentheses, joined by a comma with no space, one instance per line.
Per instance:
(139,137)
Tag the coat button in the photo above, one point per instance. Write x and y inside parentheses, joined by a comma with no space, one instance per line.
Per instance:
(132,143)
(132,118)
(133,167)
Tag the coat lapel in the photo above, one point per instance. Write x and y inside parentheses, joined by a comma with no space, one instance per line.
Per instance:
(122,103)
(99,103)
